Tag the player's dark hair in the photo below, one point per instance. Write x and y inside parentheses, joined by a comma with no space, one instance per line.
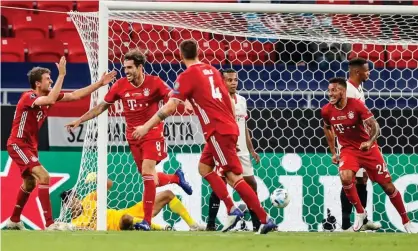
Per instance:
(65,195)
(230,70)
(127,222)
(136,56)
(188,49)
(357,62)
(35,75)
(339,81)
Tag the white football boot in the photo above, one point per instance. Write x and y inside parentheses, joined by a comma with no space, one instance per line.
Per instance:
(371,226)
(359,221)
(197,227)
(409,228)
(15,225)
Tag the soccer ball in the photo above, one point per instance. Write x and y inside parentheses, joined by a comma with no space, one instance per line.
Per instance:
(280,198)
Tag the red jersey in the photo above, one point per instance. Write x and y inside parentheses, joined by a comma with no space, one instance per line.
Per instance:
(28,120)
(348,122)
(139,103)
(202,84)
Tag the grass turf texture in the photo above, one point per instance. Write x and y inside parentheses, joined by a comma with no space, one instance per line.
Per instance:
(203,241)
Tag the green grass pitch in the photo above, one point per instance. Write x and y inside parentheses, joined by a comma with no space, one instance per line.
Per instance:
(203,241)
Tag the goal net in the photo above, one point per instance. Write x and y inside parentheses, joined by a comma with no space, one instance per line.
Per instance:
(283,59)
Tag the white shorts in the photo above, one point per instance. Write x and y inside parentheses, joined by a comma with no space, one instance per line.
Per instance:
(247,166)
(360,173)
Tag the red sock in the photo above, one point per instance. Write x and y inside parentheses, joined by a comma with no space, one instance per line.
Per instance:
(352,196)
(219,187)
(22,198)
(148,196)
(397,202)
(43,193)
(164,179)
(250,198)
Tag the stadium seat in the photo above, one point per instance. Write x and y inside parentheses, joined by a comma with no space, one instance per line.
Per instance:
(19,4)
(372,52)
(62,6)
(161,51)
(145,33)
(63,29)
(247,53)
(117,48)
(76,52)
(182,34)
(87,6)
(212,52)
(45,50)
(30,27)
(119,30)
(403,56)
(12,50)
(365,26)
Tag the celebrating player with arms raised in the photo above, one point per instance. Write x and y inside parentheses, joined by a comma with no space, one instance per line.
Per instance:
(141,95)
(203,85)
(347,117)
(245,147)
(31,112)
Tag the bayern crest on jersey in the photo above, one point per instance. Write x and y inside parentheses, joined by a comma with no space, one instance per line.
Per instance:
(350,114)
(146,92)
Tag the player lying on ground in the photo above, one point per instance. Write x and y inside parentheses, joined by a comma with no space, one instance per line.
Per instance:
(83,213)
(358,74)
(31,112)
(245,148)
(348,117)
(202,84)
(141,95)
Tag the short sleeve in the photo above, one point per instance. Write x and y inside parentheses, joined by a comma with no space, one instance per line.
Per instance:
(182,88)
(163,88)
(363,111)
(325,116)
(112,95)
(29,99)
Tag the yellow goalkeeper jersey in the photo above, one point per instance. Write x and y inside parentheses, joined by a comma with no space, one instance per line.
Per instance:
(87,220)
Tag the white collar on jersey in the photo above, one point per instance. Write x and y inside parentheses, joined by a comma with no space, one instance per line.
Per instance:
(143,80)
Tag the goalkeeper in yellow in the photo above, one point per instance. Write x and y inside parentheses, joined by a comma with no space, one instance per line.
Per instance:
(83,213)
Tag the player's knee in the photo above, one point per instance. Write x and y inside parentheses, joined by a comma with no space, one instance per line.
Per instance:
(346,177)
(42,174)
(204,169)
(29,183)
(389,188)
(126,222)
(168,195)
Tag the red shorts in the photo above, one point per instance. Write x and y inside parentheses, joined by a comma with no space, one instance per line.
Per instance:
(372,161)
(152,149)
(221,151)
(25,157)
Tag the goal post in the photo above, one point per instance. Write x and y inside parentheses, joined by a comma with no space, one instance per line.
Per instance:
(283,98)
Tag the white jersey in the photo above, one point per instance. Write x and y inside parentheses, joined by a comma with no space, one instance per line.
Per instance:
(241,118)
(354,92)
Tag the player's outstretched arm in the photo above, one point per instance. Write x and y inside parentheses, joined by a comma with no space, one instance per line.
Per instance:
(94,112)
(165,111)
(83,92)
(329,134)
(374,129)
(52,97)
(250,146)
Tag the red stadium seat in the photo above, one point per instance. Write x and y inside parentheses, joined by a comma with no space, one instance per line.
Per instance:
(161,51)
(63,29)
(76,52)
(183,34)
(212,52)
(372,52)
(4,27)
(117,48)
(145,33)
(119,30)
(19,4)
(403,56)
(10,14)
(12,50)
(30,27)
(88,6)
(62,6)
(365,26)
(247,53)
(45,50)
